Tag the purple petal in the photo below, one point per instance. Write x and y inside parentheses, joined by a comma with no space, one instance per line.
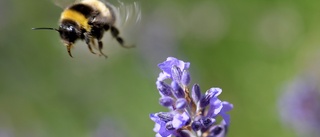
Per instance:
(162,76)
(156,127)
(212,92)
(167,65)
(179,120)
(196,93)
(165,116)
(226,118)
(161,119)
(163,130)
(226,107)
(161,116)
(158,135)
(207,121)
(204,101)
(166,101)
(185,78)
(181,103)
(177,90)
(176,73)
(164,88)
(154,118)
(215,107)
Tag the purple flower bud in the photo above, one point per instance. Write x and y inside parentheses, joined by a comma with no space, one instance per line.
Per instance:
(212,92)
(175,85)
(204,101)
(207,122)
(166,101)
(165,116)
(218,131)
(169,126)
(176,73)
(164,88)
(177,90)
(185,78)
(181,103)
(166,66)
(183,133)
(196,125)
(196,93)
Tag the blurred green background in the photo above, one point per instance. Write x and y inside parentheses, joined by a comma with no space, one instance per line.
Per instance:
(248,48)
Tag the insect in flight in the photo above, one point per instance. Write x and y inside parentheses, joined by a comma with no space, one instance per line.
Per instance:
(87,20)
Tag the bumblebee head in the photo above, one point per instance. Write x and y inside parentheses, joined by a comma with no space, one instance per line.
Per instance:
(69,33)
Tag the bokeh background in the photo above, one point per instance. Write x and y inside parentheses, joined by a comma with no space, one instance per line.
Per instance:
(248,48)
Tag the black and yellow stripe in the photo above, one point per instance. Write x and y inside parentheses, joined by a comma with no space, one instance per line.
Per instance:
(78,13)
(84,9)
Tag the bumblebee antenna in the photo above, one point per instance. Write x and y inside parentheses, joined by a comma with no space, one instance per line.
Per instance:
(45,29)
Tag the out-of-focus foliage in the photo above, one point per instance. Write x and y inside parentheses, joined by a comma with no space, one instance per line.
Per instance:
(248,48)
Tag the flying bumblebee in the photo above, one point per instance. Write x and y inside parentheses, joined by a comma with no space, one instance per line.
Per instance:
(87,20)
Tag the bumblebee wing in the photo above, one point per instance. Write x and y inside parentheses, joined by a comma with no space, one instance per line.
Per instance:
(128,17)
(128,14)
(64,3)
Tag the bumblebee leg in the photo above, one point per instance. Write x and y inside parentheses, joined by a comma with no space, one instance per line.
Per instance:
(106,27)
(87,39)
(115,34)
(69,50)
(100,49)
(93,43)
(89,46)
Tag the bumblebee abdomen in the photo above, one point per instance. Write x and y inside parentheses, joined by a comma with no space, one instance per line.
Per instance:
(85,10)
(104,9)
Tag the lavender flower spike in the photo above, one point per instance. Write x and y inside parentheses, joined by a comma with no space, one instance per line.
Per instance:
(299,105)
(167,66)
(191,113)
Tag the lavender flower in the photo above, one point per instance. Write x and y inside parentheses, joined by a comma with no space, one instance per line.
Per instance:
(299,106)
(191,114)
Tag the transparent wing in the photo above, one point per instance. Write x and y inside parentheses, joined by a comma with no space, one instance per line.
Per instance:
(128,14)
(64,3)
(127,18)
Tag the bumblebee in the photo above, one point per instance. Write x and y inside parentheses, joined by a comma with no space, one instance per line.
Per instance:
(87,20)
